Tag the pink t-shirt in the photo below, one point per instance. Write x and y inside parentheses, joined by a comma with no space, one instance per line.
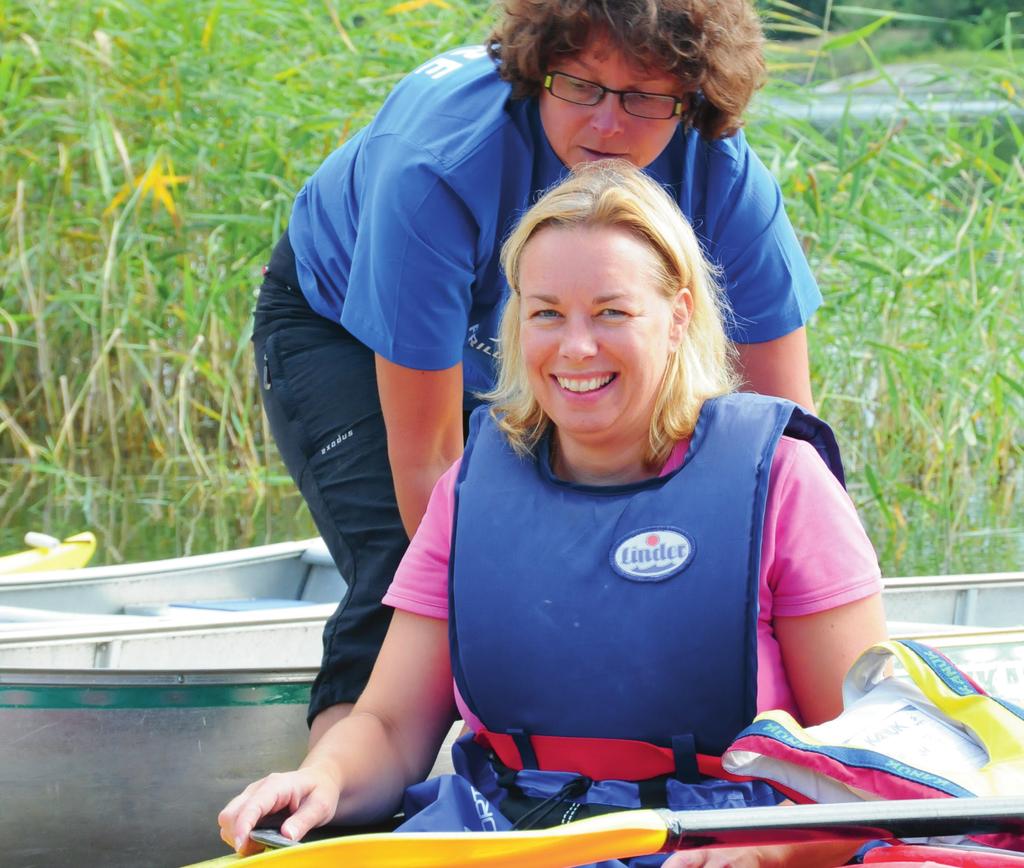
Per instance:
(814,556)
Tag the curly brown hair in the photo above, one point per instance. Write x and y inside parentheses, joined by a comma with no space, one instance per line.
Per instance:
(713,47)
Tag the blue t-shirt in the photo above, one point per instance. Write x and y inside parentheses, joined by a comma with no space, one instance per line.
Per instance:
(398,234)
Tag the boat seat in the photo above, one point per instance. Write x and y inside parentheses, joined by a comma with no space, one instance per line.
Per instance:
(24,614)
(258,604)
(254,605)
(323,584)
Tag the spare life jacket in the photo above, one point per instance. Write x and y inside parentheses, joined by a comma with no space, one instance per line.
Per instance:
(610,631)
(927,731)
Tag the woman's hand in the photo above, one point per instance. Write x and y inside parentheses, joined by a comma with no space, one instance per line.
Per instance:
(810,855)
(730,857)
(310,795)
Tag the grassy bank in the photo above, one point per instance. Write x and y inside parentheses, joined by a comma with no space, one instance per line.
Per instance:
(149,153)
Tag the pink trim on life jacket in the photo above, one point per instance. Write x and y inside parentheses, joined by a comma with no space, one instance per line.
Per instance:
(920,855)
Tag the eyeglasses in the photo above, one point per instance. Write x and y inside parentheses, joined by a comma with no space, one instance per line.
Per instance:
(652,106)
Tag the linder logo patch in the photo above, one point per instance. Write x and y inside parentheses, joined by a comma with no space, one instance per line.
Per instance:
(652,554)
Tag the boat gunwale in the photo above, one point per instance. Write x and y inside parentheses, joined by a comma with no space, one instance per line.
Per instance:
(24,676)
(106,628)
(308,551)
(974,635)
(959,580)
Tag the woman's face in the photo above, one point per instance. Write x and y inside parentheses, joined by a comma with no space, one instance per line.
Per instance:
(579,133)
(596,334)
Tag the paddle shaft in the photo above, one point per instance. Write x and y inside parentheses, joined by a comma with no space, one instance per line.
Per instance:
(633,833)
(910,818)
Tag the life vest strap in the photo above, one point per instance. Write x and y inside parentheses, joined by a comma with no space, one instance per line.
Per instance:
(598,758)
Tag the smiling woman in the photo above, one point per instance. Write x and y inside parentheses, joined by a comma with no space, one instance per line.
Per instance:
(628,562)
(603,293)
(597,348)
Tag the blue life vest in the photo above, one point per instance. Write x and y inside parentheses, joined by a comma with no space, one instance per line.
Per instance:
(617,612)
(606,636)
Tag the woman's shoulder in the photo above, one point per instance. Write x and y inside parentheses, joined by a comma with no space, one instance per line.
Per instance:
(734,147)
(796,459)
(822,556)
(725,154)
(447,108)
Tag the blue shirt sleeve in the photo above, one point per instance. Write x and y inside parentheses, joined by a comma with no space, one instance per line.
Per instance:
(410,288)
(767,279)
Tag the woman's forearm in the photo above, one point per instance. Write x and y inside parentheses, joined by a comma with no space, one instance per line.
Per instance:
(814,855)
(371,773)
(392,736)
(423,414)
(359,769)
(779,367)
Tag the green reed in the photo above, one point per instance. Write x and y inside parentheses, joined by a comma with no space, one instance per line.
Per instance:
(149,154)
(914,226)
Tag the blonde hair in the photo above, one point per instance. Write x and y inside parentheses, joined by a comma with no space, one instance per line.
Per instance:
(613,193)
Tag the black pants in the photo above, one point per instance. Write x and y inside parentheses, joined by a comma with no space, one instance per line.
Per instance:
(319,389)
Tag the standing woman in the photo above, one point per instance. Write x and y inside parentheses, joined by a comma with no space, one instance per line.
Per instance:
(629,561)
(377,319)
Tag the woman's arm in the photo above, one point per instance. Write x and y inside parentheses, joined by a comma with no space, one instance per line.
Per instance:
(772,292)
(423,415)
(822,592)
(818,650)
(359,769)
(812,855)
(779,367)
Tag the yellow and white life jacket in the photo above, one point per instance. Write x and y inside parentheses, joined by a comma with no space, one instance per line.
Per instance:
(929,732)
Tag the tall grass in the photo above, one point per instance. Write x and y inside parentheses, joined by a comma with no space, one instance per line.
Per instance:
(149,153)
(915,227)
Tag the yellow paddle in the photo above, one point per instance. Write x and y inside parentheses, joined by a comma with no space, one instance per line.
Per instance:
(634,833)
(47,553)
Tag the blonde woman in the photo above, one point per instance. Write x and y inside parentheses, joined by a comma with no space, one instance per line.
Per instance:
(629,561)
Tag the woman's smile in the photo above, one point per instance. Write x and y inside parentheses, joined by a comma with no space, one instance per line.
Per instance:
(584,385)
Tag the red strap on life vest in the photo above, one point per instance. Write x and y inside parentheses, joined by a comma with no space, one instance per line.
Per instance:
(616,759)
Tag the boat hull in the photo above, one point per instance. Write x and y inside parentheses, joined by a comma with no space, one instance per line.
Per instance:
(128,769)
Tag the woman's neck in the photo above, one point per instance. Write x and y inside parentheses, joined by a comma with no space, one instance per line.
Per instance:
(577,462)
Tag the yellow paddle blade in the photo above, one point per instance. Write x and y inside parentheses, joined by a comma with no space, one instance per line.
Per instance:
(612,836)
(72,553)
